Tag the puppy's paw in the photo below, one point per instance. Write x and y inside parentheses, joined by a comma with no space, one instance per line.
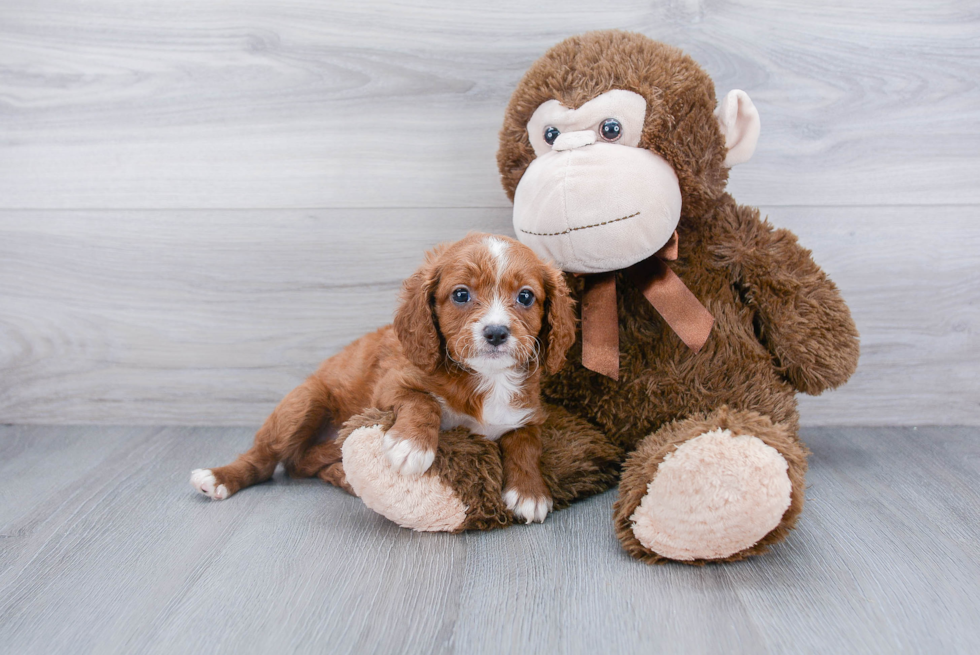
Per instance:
(203,480)
(528,508)
(405,455)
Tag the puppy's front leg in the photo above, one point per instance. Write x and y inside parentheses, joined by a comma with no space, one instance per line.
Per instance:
(525,492)
(410,445)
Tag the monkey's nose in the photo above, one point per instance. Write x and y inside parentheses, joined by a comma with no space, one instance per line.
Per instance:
(572,140)
(496,334)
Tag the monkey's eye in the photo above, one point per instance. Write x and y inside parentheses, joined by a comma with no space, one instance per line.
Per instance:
(611,129)
(550,134)
(461,295)
(525,297)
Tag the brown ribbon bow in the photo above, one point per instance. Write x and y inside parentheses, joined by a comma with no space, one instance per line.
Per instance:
(682,311)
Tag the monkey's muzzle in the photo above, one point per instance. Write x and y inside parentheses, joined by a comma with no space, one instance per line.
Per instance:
(598,207)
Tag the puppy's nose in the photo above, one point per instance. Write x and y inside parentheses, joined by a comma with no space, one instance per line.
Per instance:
(496,334)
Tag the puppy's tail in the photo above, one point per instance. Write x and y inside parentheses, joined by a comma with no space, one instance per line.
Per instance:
(286,436)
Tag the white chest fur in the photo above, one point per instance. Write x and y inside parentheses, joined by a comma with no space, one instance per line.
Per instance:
(500,414)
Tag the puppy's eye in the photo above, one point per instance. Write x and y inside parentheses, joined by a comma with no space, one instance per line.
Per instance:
(461,296)
(611,129)
(525,297)
(550,134)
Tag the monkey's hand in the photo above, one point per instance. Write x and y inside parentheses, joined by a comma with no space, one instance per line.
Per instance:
(800,315)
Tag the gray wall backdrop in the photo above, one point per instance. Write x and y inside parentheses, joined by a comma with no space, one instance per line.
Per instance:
(201,200)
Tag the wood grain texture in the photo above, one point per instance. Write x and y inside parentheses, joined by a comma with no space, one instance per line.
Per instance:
(243,104)
(116,554)
(158,263)
(194,317)
(210,317)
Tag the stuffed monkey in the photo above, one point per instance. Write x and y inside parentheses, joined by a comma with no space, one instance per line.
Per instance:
(699,321)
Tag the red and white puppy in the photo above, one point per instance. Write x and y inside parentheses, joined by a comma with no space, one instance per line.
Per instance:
(476,323)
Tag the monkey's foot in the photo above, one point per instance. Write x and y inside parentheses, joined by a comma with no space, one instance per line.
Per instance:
(714,496)
(719,488)
(420,502)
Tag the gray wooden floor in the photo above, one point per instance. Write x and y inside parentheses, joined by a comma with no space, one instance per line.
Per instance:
(106,549)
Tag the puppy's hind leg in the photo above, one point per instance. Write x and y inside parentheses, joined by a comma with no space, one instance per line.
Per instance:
(318,456)
(283,436)
(322,460)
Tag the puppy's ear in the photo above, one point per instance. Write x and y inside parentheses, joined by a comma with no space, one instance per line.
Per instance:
(415,320)
(558,331)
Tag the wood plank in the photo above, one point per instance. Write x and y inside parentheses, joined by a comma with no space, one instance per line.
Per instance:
(127,559)
(38,469)
(911,279)
(210,317)
(179,104)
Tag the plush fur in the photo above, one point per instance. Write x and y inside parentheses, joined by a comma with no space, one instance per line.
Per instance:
(642,464)
(781,326)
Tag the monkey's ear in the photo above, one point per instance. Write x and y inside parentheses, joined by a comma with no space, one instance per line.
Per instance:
(739,122)
(415,320)
(558,331)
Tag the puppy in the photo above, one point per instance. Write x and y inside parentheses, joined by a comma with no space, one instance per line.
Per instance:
(475,325)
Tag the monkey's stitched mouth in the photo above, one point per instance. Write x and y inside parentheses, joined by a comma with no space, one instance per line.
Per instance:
(583,227)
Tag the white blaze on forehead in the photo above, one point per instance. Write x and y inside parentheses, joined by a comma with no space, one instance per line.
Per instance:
(498,249)
(496,314)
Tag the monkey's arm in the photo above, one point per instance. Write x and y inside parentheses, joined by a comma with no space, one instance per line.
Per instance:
(799,314)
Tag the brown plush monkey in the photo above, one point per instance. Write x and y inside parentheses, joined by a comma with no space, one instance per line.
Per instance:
(700,321)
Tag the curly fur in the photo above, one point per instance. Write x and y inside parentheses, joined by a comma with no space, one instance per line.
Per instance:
(434,367)
(416,323)
(558,332)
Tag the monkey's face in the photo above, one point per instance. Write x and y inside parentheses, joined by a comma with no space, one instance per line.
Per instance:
(591,199)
